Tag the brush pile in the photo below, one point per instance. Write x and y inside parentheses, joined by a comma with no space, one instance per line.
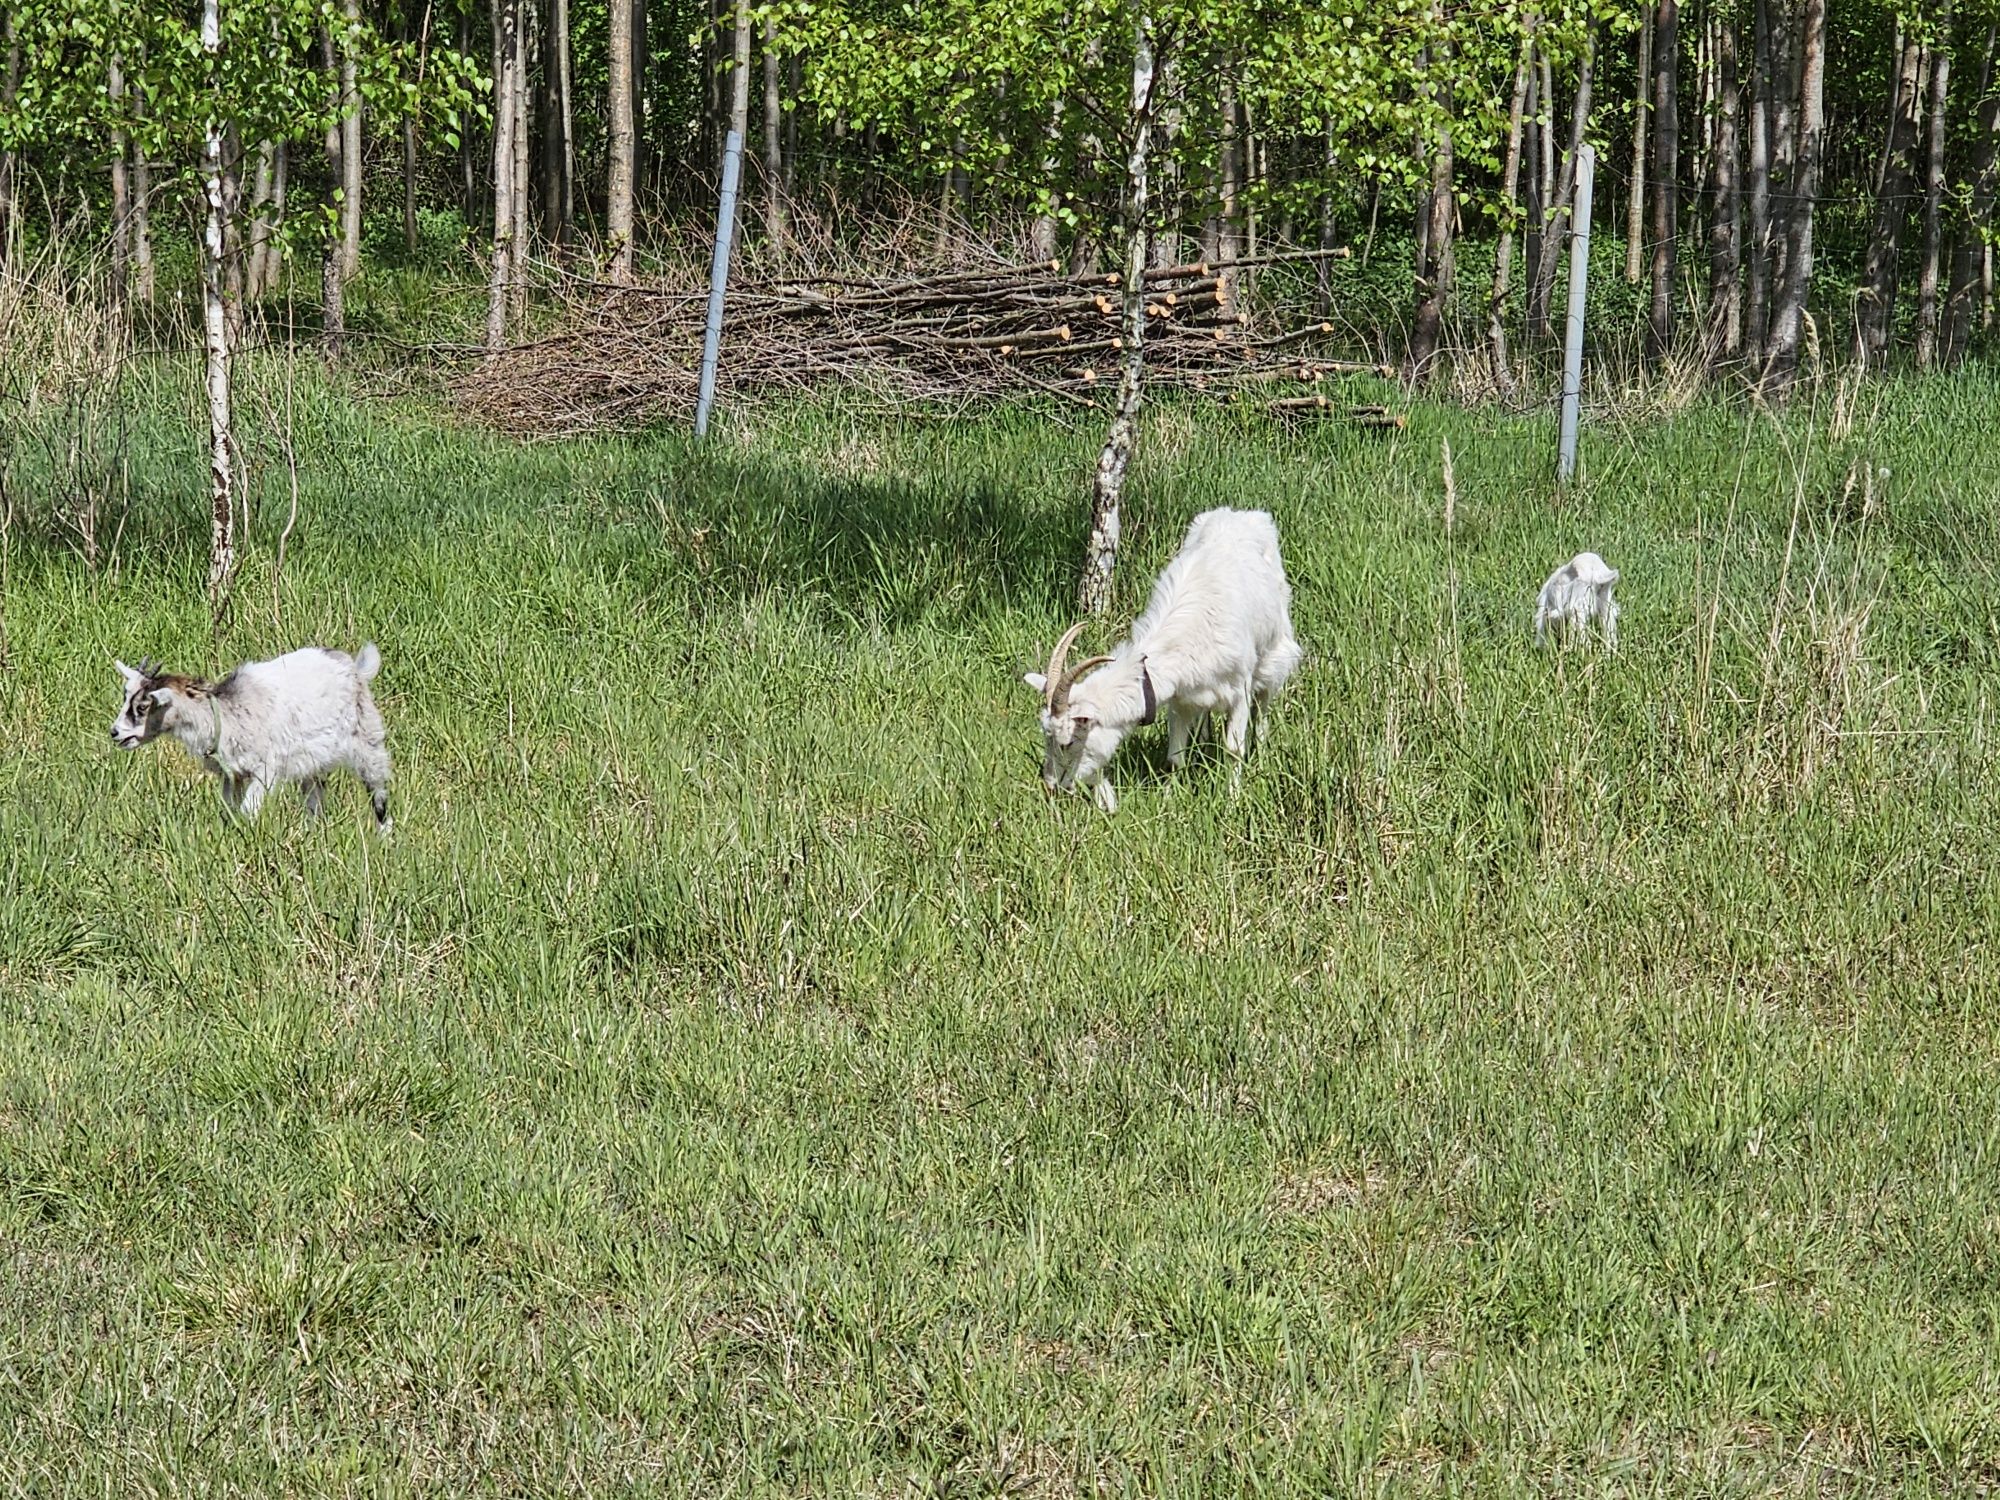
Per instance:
(631,355)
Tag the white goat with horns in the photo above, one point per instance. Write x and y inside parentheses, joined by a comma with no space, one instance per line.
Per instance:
(294,718)
(1216,636)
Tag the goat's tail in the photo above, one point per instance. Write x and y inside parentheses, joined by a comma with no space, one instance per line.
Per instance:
(368,662)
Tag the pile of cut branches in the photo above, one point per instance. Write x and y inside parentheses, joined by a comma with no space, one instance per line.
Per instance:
(629,355)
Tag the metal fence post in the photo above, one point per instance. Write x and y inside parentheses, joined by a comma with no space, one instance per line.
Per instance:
(718,279)
(1579,274)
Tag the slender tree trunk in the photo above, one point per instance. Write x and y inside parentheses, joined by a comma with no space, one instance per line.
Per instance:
(506,80)
(1635,207)
(775,228)
(1253,176)
(1927,285)
(642,61)
(1666,174)
(410,186)
(1229,243)
(1549,243)
(565,123)
(332,280)
(1558,216)
(1433,269)
(525,29)
(1100,558)
(350,147)
(1787,319)
(234,301)
(467,174)
(1875,303)
(795,76)
(263,183)
(1757,280)
(215,321)
(1164,238)
(548,107)
(1042,234)
(1503,256)
(739,93)
(1705,97)
(715,78)
(1968,252)
(142,230)
(274,254)
(423,41)
(1535,205)
(618,207)
(1323,267)
(1896,104)
(121,194)
(1725,239)
(948,191)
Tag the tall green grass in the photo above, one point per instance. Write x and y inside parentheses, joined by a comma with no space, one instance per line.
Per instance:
(1550,1072)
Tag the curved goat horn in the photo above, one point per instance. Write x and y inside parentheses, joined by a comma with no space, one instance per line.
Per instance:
(1055,692)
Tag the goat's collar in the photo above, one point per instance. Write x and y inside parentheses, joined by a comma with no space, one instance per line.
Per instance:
(1146,689)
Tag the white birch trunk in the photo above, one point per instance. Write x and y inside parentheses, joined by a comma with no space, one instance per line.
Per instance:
(350,147)
(525,29)
(215,322)
(506,27)
(1100,559)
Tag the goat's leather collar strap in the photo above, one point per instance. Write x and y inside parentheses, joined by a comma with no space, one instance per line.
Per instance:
(1146,687)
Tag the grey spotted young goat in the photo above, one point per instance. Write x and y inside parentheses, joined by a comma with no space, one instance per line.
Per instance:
(296,718)
(1216,637)
(1576,594)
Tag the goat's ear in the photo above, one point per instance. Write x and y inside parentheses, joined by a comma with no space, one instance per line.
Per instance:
(1036,681)
(162,697)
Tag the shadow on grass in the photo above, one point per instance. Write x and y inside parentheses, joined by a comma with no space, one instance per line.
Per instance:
(881,552)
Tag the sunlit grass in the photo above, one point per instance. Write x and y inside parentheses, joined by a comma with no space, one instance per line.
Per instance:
(1549,1071)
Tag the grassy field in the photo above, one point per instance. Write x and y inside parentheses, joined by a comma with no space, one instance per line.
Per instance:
(1550,1073)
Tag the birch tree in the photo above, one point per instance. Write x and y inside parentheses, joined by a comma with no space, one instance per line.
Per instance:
(1927,283)
(1781,356)
(351,41)
(620,165)
(506,232)
(1666,174)
(215,324)
(1100,555)
(1875,301)
(1503,257)
(191,90)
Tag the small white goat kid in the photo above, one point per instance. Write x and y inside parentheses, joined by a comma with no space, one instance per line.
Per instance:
(1577,593)
(294,718)
(1216,636)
